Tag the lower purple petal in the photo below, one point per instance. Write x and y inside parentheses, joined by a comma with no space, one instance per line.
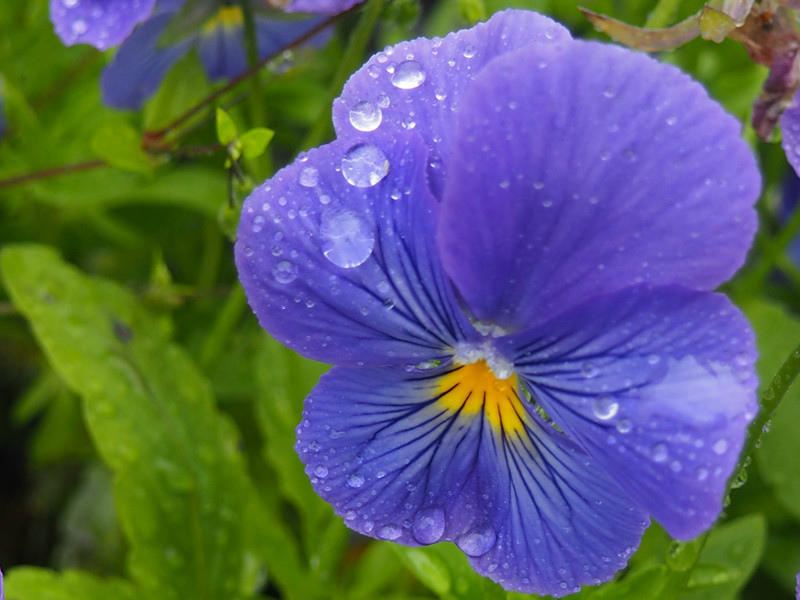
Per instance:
(413,459)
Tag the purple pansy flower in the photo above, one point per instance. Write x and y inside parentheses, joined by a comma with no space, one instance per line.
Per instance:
(142,61)
(322,7)
(509,254)
(790,130)
(100,23)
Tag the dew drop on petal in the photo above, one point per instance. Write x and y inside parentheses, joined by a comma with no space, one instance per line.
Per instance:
(477,543)
(660,453)
(428,525)
(347,241)
(364,165)
(605,408)
(321,471)
(365,116)
(720,446)
(79,27)
(355,481)
(624,426)
(389,532)
(309,177)
(284,272)
(69,3)
(408,75)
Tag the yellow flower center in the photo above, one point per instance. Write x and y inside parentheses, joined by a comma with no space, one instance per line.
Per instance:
(474,389)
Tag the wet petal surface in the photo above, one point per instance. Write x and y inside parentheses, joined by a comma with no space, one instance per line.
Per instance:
(100,23)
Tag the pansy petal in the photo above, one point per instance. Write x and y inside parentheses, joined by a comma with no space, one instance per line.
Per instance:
(221,45)
(336,254)
(321,7)
(658,386)
(419,84)
(101,23)
(421,459)
(139,65)
(615,170)
(790,133)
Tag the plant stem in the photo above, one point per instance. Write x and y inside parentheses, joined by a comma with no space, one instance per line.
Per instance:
(353,56)
(226,321)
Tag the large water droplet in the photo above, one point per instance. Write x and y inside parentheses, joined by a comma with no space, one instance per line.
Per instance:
(347,241)
(284,272)
(408,75)
(605,407)
(364,165)
(428,525)
(477,543)
(389,532)
(365,116)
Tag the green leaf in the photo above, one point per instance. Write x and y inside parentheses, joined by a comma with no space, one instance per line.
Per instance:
(179,481)
(778,333)
(120,145)
(226,128)
(29,583)
(649,582)
(472,10)
(183,87)
(430,569)
(728,559)
(255,141)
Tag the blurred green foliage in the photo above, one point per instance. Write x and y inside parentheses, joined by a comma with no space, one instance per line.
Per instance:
(147,427)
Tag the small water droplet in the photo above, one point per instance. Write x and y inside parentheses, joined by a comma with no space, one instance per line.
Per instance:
(355,481)
(347,241)
(477,543)
(284,272)
(660,453)
(408,75)
(390,532)
(365,116)
(321,471)
(79,27)
(588,370)
(429,525)
(720,446)
(364,165)
(470,52)
(384,101)
(309,177)
(653,359)
(605,408)
(624,426)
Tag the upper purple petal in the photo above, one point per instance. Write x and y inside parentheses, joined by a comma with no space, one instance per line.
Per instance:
(530,509)
(100,23)
(585,168)
(322,7)
(790,132)
(419,84)
(658,386)
(140,65)
(337,257)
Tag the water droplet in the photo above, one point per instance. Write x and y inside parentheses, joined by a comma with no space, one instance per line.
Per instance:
(653,359)
(384,101)
(365,116)
(364,165)
(588,370)
(389,532)
(408,75)
(624,426)
(429,525)
(355,481)
(672,120)
(477,543)
(470,52)
(660,453)
(284,272)
(69,3)
(309,177)
(321,471)
(720,446)
(605,408)
(347,241)
(702,474)
(79,27)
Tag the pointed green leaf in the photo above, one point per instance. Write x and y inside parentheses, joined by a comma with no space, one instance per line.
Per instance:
(226,128)
(120,145)
(179,482)
(255,141)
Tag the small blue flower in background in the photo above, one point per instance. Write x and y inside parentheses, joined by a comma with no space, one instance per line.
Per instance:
(142,62)
(509,254)
(143,59)
(100,23)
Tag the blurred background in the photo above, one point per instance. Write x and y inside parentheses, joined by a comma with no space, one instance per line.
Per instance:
(138,207)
